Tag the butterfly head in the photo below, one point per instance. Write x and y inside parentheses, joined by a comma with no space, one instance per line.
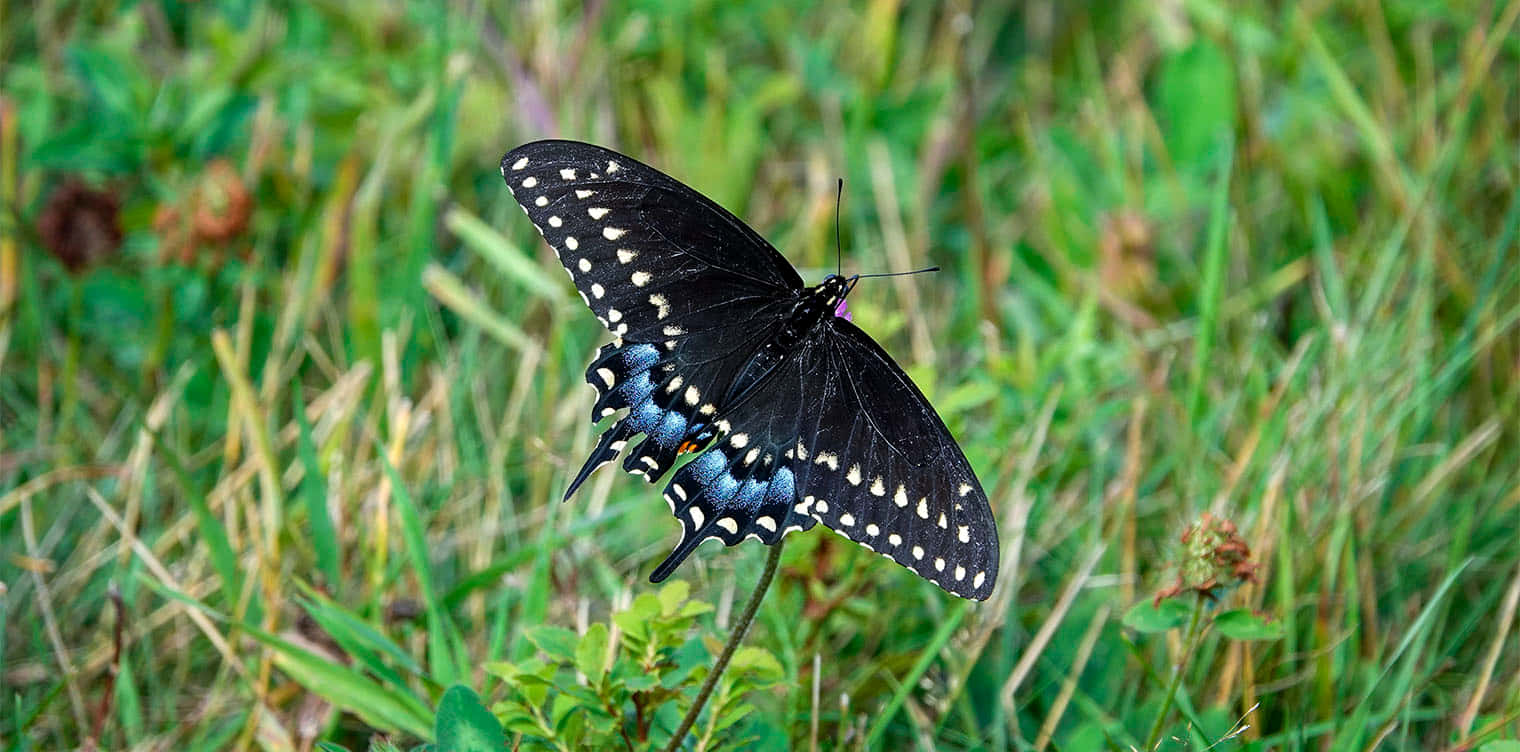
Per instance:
(834,289)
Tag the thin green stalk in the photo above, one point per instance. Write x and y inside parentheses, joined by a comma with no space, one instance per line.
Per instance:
(742,627)
(1190,643)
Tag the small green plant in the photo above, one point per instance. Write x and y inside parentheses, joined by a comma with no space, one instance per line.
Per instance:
(626,685)
(622,685)
(1214,560)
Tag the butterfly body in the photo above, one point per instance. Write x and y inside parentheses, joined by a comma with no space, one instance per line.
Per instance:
(796,415)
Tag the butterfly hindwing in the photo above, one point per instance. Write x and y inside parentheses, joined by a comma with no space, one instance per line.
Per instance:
(672,391)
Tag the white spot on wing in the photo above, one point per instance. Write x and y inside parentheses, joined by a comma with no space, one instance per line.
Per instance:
(541,201)
(584,264)
(901,497)
(567,174)
(555,221)
(894,539)
(739,440)
(965,534)
(597,290)
(608,377)
(877,488)
(597,212)
(519,164)
(853,476)
(613,314)
(584,194)
(767,523)
(918,552)
(613,167)
(847,519)
(640,279)
(923,508)
(872,530)
(976,581)
(679,490)
(529,182)
(693,396)
(696,516)
(965,489)
(960,573)
(823,506)
(827,458)
(660,303)
(613,233)
(571,242)
(728,523)
(625,255)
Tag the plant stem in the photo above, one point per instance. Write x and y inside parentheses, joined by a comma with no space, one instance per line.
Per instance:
(1188,645)
(740,629)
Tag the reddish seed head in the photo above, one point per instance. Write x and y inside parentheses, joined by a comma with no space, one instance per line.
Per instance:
(80,225)
(1214,559)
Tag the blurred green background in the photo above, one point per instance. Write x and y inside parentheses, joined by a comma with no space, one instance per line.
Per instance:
(289,390)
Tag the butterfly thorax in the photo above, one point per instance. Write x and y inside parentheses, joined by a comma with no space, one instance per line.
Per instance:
(812,308)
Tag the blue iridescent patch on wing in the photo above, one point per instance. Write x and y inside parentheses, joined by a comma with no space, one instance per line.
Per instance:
(782,489)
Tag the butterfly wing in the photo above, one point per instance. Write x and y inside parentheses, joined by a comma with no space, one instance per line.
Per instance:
(686,287)
(840,435)
(645,251)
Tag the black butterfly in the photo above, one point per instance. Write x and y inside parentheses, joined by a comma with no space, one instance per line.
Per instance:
(721,347)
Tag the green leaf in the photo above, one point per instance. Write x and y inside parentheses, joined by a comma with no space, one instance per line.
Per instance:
(441,632)
(503,670)
(323,537)
(641,682)
(591,652)
(379,706)
(1242,624)
(464,724)
(1148,618)
(673,595)
(556,642)
(360,640)
(635,620)
(1502,745)
(758,664)
(1196,102)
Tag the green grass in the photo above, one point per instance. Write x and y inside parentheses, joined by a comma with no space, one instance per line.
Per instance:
(1256,259)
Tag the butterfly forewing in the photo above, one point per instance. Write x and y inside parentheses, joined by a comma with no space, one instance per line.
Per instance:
(651,257)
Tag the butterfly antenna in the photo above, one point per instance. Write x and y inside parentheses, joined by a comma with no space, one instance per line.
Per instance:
(838,247)
(924,270)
